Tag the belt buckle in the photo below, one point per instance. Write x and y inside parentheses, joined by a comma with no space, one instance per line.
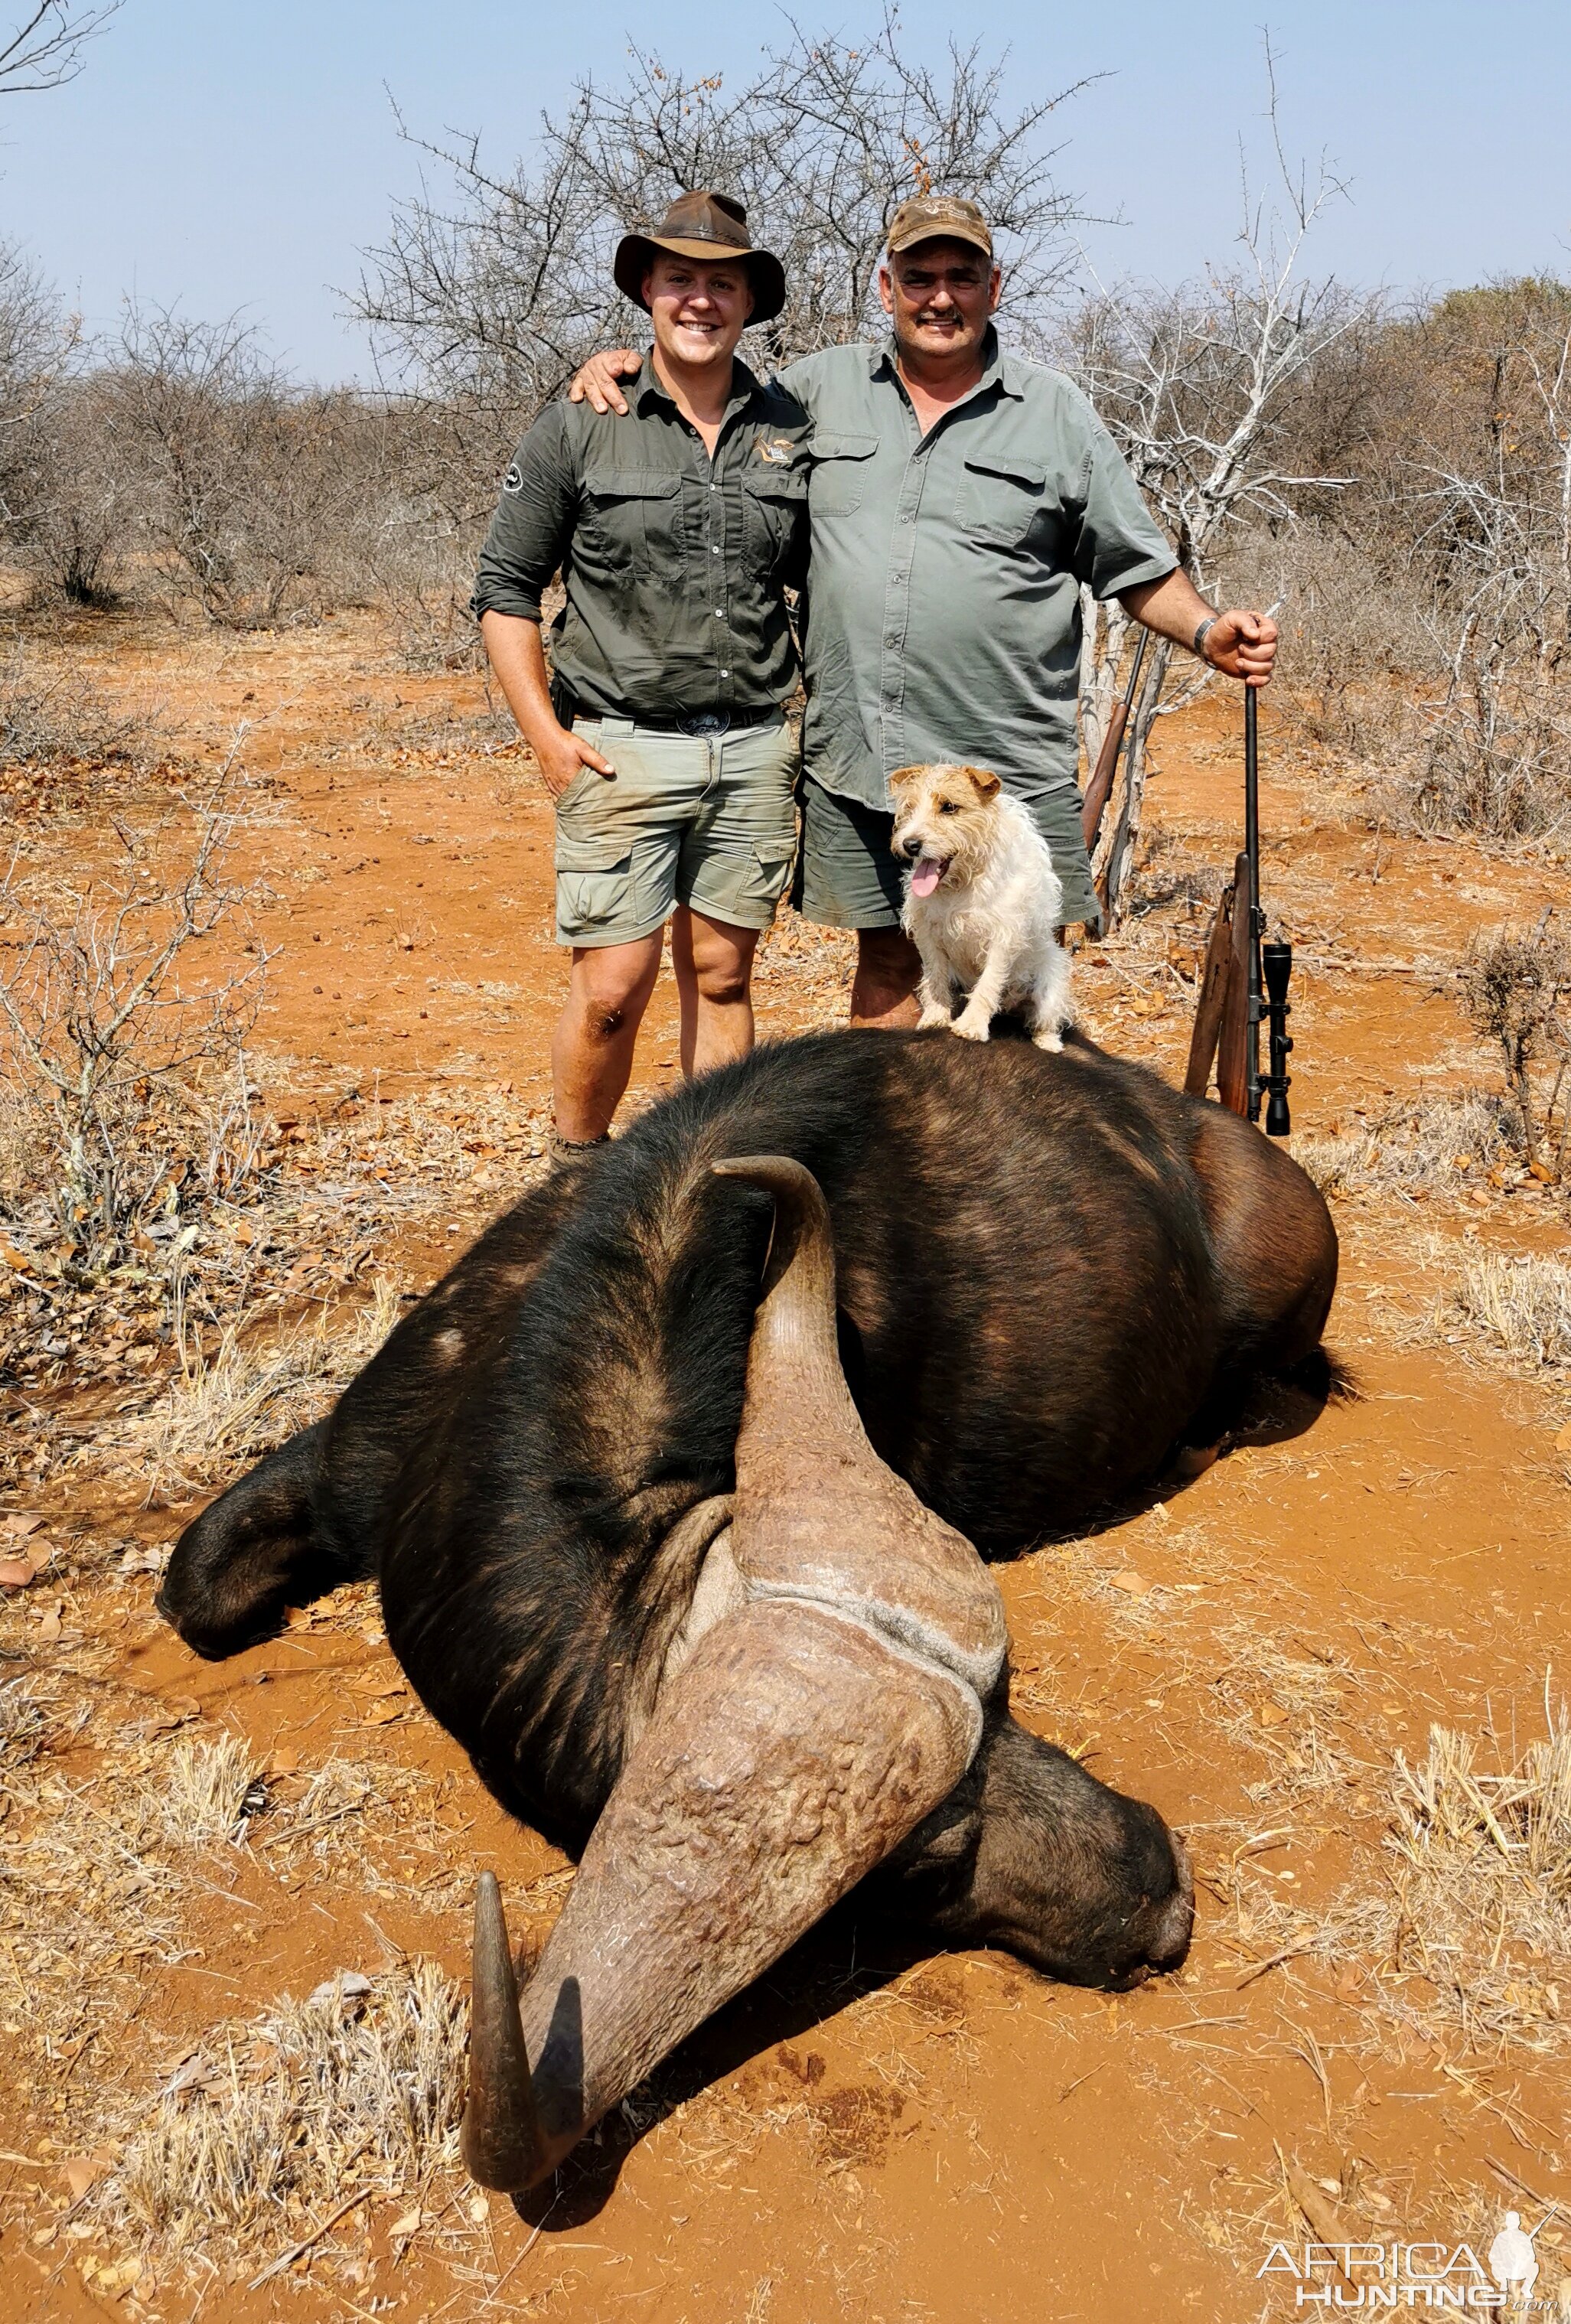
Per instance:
(707,723)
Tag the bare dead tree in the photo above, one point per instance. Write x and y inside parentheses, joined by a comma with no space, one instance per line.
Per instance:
(1193,385)
(45,50)
(39,345)
(1489,518)
(499,295)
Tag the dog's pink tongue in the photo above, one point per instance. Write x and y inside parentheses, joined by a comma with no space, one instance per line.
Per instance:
(927,876)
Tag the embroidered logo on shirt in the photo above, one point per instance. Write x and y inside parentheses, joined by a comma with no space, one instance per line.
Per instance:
(776,451)
(512,481)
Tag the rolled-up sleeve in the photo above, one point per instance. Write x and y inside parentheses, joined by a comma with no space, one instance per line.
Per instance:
(533,525)
(1119,545)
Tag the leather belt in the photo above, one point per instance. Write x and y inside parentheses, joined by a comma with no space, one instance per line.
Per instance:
(700,723)
(707,722)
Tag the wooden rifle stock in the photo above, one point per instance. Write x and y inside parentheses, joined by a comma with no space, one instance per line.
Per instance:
(1235,998)
(1099,789)
(1213,988)
(1233,1048)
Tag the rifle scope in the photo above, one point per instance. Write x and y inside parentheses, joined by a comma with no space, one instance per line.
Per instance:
(1277,961)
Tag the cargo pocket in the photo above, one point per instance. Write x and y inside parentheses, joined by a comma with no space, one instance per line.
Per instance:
(772,871)
(594,883)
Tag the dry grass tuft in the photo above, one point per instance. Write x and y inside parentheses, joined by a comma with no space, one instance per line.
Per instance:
(1442,1145)
(251,1394)
(1484,1884)
(257,2132)
(1519,1306)
(205,1792)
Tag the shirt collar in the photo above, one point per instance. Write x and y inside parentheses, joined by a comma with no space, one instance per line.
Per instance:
(995,365)
(647,389)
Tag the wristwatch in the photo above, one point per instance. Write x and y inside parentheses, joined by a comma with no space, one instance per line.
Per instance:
(1209,622)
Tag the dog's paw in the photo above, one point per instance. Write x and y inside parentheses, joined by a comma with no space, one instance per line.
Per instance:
(930,1019)
(1048,1038)
(969,1028)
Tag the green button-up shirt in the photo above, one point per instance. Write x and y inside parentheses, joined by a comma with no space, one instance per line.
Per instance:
(674,565)
(943,610)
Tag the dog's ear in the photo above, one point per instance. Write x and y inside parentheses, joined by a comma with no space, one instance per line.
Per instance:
(905,779)
(985,786)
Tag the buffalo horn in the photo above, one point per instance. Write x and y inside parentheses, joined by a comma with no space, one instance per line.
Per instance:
(811,1730)
(501,2134)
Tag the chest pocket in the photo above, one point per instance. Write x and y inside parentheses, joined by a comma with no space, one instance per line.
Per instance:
(774,503)
(628,516)
(1006,500)
(838,480)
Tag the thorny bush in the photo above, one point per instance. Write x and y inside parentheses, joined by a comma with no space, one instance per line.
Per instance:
(128,1104)
(1514,989)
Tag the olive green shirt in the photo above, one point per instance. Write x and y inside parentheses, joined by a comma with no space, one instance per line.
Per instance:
(674,565)
(943,605)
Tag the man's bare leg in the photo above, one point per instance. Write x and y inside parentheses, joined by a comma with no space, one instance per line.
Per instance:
(888,970)
(713,962)
(592,1047)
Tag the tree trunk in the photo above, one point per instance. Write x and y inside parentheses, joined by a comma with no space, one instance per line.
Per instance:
(1120,833)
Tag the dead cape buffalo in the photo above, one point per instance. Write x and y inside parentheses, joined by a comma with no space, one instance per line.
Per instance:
(671,1488)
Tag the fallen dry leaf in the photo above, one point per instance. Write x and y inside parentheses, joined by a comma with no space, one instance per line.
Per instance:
(377,1682)
(174,1710)
(16,1573)
(1133,1585)
(381,1713)
(1563,1441)
(1321,2213)
(84,2170)
(1271,1714)
(50,1624)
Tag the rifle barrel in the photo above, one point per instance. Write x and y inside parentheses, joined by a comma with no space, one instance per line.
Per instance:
(1256,916)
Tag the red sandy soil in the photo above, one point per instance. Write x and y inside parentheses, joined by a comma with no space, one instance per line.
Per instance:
(874,2136)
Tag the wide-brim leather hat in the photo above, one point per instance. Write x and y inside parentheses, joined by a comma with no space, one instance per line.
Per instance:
(707,226)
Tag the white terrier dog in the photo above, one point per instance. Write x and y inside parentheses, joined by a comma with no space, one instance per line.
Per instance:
(982,903)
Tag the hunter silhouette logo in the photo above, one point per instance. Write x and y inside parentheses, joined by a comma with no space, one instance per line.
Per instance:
(776,451)
(1512,2260)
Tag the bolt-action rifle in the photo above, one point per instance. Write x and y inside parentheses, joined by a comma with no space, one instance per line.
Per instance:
(1245,982)
(1099,789)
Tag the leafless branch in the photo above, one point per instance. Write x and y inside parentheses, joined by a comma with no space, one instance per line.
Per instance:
(45,50)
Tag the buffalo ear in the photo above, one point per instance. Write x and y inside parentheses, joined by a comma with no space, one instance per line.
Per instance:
(986,786)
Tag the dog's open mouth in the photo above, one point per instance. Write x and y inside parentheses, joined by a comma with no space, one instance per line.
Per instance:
(929,870)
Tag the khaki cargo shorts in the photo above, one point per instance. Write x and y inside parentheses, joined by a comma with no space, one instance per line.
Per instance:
(708,821)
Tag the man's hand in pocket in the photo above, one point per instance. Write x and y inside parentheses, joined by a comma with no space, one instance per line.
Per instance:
(563,759)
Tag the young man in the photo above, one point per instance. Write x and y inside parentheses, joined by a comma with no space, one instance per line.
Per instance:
(958,498)
(660,736)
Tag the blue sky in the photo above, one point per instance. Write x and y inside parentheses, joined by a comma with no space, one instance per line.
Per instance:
(241,156)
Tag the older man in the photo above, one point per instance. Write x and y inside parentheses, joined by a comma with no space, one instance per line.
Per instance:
(659,732)
(958,497)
